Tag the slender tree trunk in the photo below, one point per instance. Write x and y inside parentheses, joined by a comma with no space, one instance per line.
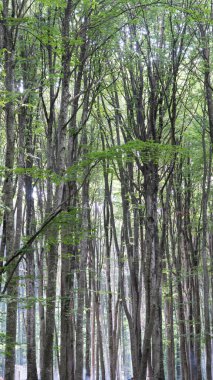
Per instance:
(205,189)
(100,340)
(81,284)
(8,194)
(30,281)
(88,320)
(185,368)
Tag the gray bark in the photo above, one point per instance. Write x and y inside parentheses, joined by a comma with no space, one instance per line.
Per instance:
(8,193)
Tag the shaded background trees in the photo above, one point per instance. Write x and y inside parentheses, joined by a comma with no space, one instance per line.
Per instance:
(106,163)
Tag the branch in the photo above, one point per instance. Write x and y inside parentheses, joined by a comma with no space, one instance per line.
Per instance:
(29,242)
(21,252)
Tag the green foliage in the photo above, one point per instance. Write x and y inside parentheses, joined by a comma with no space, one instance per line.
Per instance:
(53,3)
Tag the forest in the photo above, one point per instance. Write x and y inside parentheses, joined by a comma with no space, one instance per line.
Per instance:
(106,189)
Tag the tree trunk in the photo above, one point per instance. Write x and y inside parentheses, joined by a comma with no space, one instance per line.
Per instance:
(30,281)
(205,189)
(9,66)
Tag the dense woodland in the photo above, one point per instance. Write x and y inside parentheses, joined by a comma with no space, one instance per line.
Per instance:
(106,193)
